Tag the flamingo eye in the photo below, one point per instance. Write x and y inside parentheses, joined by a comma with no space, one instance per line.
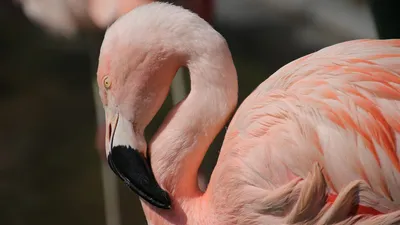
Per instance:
(107,82)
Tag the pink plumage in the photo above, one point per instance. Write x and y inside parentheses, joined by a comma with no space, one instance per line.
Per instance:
(316,143)
(338,107)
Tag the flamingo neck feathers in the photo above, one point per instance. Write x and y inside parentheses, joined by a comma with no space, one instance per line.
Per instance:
(179,146)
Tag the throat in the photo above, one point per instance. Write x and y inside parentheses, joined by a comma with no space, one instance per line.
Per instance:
(180,144)
(179,147)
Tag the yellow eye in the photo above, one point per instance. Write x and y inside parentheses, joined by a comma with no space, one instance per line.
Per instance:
(107,82)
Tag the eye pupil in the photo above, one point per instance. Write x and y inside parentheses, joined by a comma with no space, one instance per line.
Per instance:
(107,83)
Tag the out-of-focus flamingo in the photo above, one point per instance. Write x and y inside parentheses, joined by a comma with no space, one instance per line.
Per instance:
(337,107)
(68,17)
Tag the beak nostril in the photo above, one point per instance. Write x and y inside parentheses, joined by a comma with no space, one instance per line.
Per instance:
(109,131)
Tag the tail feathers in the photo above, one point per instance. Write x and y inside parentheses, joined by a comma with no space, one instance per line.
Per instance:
(386,219)
(346,204)
(313,205)
(312,198)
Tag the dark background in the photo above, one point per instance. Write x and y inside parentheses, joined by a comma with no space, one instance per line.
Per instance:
(49,167)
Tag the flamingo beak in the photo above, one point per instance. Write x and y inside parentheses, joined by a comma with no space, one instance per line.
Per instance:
(129,164)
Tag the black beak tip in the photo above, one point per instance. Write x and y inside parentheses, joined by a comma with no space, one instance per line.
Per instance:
(158,198)
(132,168)
(165,204)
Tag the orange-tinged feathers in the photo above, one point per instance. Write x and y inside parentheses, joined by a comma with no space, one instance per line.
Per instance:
(339,107)
(360,209)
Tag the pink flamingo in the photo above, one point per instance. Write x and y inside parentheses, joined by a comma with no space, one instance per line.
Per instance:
(67,17)
(336,108)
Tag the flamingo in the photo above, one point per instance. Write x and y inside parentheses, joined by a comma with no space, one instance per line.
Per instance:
(68,17)
(315,143)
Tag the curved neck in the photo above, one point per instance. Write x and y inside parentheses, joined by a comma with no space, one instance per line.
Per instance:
(179,146)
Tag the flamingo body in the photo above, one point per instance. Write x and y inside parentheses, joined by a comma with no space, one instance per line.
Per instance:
(338,107)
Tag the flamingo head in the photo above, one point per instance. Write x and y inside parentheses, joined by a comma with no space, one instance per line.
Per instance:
(134,75)
(132,93)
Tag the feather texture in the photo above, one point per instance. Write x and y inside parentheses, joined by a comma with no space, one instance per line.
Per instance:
(338,107)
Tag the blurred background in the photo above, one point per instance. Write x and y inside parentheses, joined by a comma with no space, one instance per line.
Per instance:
(52,168)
